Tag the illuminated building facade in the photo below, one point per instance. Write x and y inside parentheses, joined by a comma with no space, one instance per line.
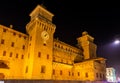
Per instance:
(38,55)
(110,74)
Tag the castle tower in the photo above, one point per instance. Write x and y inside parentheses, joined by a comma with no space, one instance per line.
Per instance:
(38,64)
(89,48)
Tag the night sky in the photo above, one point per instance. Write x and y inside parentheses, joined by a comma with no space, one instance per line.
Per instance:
(72,18)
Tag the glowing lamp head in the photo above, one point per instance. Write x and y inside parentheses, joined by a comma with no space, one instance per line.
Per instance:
(116,41)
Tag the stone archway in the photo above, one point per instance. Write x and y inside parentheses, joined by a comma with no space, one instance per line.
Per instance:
(3,66)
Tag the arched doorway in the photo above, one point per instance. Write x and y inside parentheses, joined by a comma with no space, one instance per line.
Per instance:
(3,65)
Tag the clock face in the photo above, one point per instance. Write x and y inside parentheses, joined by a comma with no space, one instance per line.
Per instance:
(45,35)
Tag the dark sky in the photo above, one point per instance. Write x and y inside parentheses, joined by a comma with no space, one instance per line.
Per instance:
(100,20)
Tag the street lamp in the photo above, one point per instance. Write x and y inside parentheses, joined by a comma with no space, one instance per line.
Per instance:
(117,42)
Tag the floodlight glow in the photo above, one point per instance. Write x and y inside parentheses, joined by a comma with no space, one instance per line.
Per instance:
(117,42)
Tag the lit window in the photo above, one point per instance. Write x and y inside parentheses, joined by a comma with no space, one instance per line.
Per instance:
(42,69)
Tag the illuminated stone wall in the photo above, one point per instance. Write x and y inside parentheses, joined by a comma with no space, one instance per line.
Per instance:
(13,46)
(65,53)
(38,56)
(87,43)
(110,74)
(51,81)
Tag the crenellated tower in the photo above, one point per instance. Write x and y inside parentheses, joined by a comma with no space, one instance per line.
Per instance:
(88,46)
(38,64)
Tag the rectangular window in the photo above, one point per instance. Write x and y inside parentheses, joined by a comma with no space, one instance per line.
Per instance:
(78,73)
(2,41)
(69,73)
(100,75)
(53,58)
(23,47)
(60,72)
(4,30)
(4,53)
(11,54)
(30,38)
(39,54)
(72,74)
(16,55)
(24,37)
(97,75)
(14,33)
(22,57)
(86,74)
(26,69)
(43,69)
(44,44)
(12,44)
(19,36)
(53,72)
(30,44)
(47,56)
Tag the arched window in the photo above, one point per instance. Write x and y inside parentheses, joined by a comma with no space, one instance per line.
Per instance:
(3,65)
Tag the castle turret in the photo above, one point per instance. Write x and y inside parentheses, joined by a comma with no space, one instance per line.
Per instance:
(40,50)
(88,46)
